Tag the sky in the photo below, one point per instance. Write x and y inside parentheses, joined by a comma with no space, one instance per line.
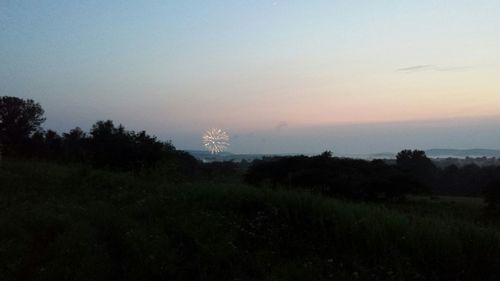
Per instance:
(357,76)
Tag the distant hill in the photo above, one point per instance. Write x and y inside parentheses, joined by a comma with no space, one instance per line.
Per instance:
(462,153)
(442,153)
(432,153)
(437,153)
(206,156)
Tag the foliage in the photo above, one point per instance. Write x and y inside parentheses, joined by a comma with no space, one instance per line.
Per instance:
(469,180)
(412,172)
(74,223)
(334,176)
(115,147)
(19,119)
(413,160)
(106,146)
(492,198)
(418,164)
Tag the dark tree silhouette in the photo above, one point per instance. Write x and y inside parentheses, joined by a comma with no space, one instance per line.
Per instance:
(19,120)
(53,142)
(115,147)
(108,144)
(412,159)
(417,164)
(75,145)
(333,176)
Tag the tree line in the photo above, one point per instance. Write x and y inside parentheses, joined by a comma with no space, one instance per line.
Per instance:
(104,146)
(114,147)
(333,176)
(412,173)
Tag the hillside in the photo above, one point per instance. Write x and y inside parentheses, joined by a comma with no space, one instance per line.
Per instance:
(75,223)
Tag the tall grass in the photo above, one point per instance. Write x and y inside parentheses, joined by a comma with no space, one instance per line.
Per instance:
(75,223)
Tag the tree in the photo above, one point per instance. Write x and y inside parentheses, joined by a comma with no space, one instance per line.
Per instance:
(418,164)
(75,145)
(19,119)
(333,176)
(53,142)
(109,145)
(327,154)
(414,160)
(115,147)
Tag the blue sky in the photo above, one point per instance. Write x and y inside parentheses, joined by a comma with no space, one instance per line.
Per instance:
(328,74)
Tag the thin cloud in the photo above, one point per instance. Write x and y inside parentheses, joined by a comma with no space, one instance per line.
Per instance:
(430,67)
(415,68)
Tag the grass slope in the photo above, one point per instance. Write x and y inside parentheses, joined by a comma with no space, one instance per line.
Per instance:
(74,223)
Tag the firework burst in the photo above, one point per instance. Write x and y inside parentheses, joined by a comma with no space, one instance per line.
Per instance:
(215,140)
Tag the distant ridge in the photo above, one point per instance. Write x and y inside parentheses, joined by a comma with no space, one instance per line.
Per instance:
(206,156)
(477,152)
(432,153)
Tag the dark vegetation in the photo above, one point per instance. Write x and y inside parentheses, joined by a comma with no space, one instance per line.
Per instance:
(69,222)
(113,147)
(106,146)
(332,176)
(114,204)
(413,173)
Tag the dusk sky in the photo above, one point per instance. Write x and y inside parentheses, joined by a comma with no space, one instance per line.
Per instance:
(279,76)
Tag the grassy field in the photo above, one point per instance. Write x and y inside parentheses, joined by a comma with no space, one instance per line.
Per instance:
(75,223)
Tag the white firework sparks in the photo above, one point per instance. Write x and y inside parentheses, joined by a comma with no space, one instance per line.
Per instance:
(215,140)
